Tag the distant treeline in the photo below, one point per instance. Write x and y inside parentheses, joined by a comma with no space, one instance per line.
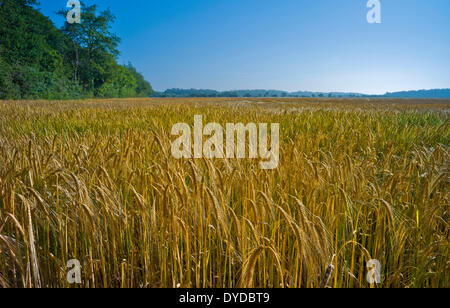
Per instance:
(39,61)
(246,93)
(436,93)
(439,93)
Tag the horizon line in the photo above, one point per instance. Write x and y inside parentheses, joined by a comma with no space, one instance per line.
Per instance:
(306,91)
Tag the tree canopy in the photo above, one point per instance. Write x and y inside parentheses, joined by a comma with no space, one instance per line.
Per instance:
(39,61)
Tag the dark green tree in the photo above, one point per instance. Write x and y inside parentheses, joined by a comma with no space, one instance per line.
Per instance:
(94,46)
(37,60)
(144,88)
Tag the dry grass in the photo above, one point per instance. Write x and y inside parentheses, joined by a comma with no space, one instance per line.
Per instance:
(95,181)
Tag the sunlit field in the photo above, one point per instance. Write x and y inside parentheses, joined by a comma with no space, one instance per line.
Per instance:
(95,181)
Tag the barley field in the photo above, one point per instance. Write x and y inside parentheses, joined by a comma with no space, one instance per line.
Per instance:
(95,181)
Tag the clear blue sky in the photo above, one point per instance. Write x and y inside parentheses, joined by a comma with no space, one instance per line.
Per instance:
(315,45)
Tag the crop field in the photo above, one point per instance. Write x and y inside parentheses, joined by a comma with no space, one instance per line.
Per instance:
(95,181)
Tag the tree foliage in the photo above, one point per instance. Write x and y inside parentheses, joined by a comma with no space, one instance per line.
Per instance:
(143,87)
(37,60)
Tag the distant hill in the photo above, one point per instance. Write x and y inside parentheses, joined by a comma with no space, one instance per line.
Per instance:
(436,93)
